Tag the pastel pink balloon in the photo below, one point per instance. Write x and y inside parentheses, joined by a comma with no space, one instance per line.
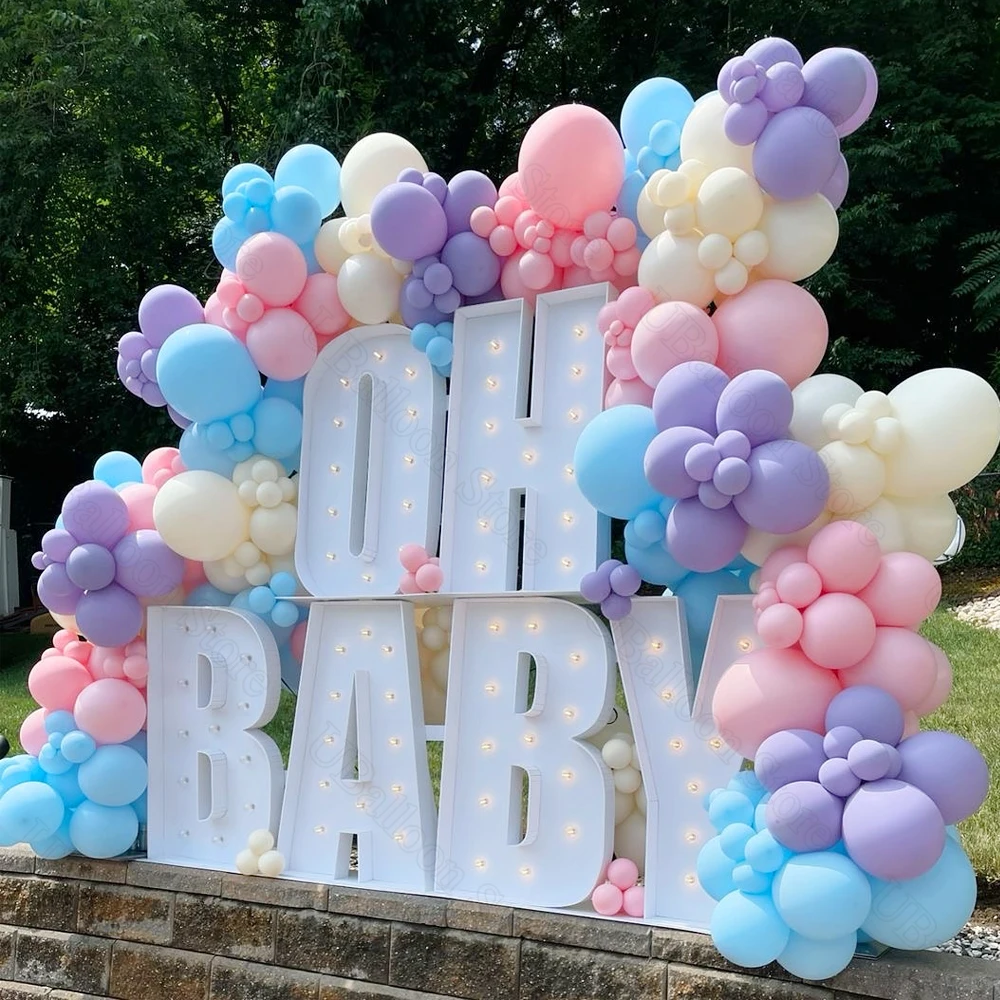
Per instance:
(905,590)
(536,269)
(620,364)
(632,392)
(787,555)
(942,684)
(623,872)
(607,899)
(297,640)
(513,286)
(771,324)
(412,556)
(160,465)
(901,662)
(272,267)
(429,578)
(798,584)
(79,650)
(56,681)
(194,575)
(136,670)
(846,555)
(230,290)
(408,584)
(110,710)
(632,305)
(282,344)
(63,637)
(780,625)
(320,304)
(635,901)
(571,163)
(33,735)
(213,310)
(838,631)
(767,690)
(670,334)
(108,662)
(139,500)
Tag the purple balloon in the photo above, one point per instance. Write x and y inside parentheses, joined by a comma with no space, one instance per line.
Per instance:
(835,189)
(743,123)
(839,740)
(769,51)
(787,756)
(178,418)
(57,591)
(40,560)
(796,154)
(467,191)
(860,116)
(625,580)
(57,544)
(408,221)
(757,403)
(731,477)
(412,314)
(495,294)
(94,512)
(147,363)
(804,816)
(147,566)
(595,588)
(152,395)
(835,83)
(437,186)
(132,346)
(110,616)
(475,268)
(688,395)
(948,769)
(783,88)
(90,566)
(874,713)
(836,776)
(164,310)
(615,607)
(788,487)
(870,760)
(664,461)
(892,830)
(437,278)
(703,539)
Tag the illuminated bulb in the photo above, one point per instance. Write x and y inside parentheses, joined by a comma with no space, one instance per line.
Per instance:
(656,645)
(390,696)
(324,784)
(367,577)
(666,695)
(578,330)
(394,741)
(334,695)
(570,831)
(526,871)
(335,469)
(366,632)
(568,517)
(407,505)
(479,863)
(491,383)
(486,746)
(489,425)
(566,775)
(715,744)
(693,787)
(338,422)
(345,382)
(411,411)
(319,829)
(396,789)
(529,738)
(332,511)
(399,837)
(575,657)
(484,801)
(410,372)
(328,740)
(481,566)
(490,689)
(676,744)
(745,645)
(568,470)
(690,879)
(340,649)
(690,836)
(378,355)
(331,556)
(483,523)
(569,713)
(494,346)
(360,804)
(567,563)
(409,459)
(528,456)
(485,478)
(532,626)
(574,415)
(494,626)
(576,370)
(387,650)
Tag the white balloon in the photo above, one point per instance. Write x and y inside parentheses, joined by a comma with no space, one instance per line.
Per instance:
(373,163)
(627,779)
(729,202)
(630,839)
(812,398)
(617,753)
(670,269)
(434,702)
(704,138)
(368,286)
(801,237)
(857,476)
(200,515)
(246,862)
(330,252)
(271,864)
(260,842)
(640,799)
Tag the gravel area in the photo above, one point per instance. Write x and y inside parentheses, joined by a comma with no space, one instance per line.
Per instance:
(975,941)
(983,611)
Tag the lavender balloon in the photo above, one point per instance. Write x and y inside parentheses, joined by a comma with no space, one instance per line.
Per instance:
(787,756)
(146,565)
(474,267)
(796,154)
(835,189)
(788,487)
(57,591)
(758,404)
(804,816)
(835,83)
(109,617)
(703,539)
(467,191)
(874,713)
(688,395)
(90,566)
(948,769)
(408,221)
(94,512)
(164,310)
(57,544)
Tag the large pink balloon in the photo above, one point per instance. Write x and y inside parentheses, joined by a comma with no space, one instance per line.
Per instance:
(282,344)
(846,555)
(670,334)
(905,590)
(272,267)
(571,164)
(55,682)
(320,304)
(838,631)
(33,735)
(901,662)
(631,392)
(769,690)
(110,710)
(139,499)
(513,284)
(771,324)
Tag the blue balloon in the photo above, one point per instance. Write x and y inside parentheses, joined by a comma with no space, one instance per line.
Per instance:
(440,351)
(314,168)
(197,452)
(138,743)
(28,810)
(729,807)
(103,831)
(292,391)
(285,614)
(114,776)
(284,584)
(295,213)
(925,911)
(628,200)
(242,602)
(116,468)
(227,238)
(261,600)
(653,101)
(277,428)
(60,722)
(68,787)
(734,838)
(746,783)
(207,595)
(765,853)
(698,592)
(422,334)
(206,374)
(242,173)
(816,960)
(55,846)
(748,930)
(823,896)
(308,249)
(715,870)
(608,461)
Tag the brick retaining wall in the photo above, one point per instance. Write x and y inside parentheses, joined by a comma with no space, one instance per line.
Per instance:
(79,930)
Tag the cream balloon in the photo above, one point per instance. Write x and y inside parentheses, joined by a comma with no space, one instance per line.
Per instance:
(330,252)
(671,271)
(812,398)
(729,202)
(200,515)
(801,237)
(630,839)
(368,287)
(650,216)
(272,529)
(624,806)
(218,576)
(924,526)
(857,476)
(950,422)
(373,163)
(66,621)
(704,138)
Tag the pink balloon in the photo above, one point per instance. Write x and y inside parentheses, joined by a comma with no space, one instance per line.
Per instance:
(297,640)
(607,899)
(905,590)
(846,555)
(63,637)
(536,269)
(230,290)
(780,625)
(272,267)
(634,391)
(55,682)
(768,690)
(787,555)
(320,304)
(213,310)
(79,650)
(513,286)
(635,901)
(282,344)
(901,662)
(571,163)
(110,710)
(408,584)
(160,465)
(623,872)
(139,500)
(108,661)
(620,364)
(838,631)
(670,334)
(771,324)
(799,584)
(429,578)
(412,556)
(33,735)
(942,684)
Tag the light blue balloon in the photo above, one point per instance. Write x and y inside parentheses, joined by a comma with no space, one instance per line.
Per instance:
(67,785)
(715,870)
(141,807)
(698,593)
(816,960)
(114,776)
(733,840)
(654,563)
(292,391)
(28,810)
(730,807)
(608,461)
(926,911)
(277,428)
(207,595)
(103,831)
(284,584)
(628,200)
(60,722)
(261,600)
(197,452)
(422,334)
(138,743)
(748,879)
(440,351)
(765,853)
(55,846)
(242,602)
(314,168)
(242,173)
(285,614)
(295,213)
(227,238)
(655,100)
(748,930)
(822,895)
(116,468)
(51,761)
(747,784)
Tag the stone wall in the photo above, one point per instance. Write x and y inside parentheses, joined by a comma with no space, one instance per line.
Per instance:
(79,929)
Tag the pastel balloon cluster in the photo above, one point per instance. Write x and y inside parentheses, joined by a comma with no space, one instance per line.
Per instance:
(259,856)
(271,600)
(620,755)
(651,121)
(95,569)
(612,585)
(437,342)
(422,573)
(619,891)
(889,798)
(794,114)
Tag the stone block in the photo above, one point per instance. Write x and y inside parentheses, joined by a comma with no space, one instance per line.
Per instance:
(71,995)
(20,858)
(86,869)
(125,913)
(23,991)
(583,932)
(920,975)
(333,988)
(275,892)
(26,901)
(245,981)
(550,972)
(224,927)
(7,938)
(146,972)
(150,875)
(62,961)
(429,910)
(333,944)
(466,915)
(687,983)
